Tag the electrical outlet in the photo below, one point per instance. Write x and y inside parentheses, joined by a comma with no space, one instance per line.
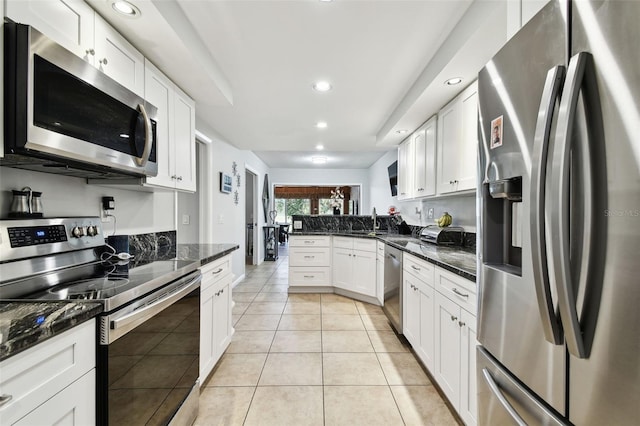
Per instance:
(430,213)
(103,215)
(186,219)
(221,219)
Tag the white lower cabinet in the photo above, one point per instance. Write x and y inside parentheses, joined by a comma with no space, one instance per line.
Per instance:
(455,342)
(216,327)
(354,265)
(439,323)
(52,382)
(418,312)
(309,261)
(380,272)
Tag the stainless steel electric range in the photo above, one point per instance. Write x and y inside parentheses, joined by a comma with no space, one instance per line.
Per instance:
(149,333)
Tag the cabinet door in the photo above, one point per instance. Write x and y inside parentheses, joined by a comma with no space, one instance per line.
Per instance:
(467,161)
(380,279)
(447,346)
(427,326)
(342,268)
(185,141)
(468,399)
(364,273)
(411,310)
(420,162)
(448,144)
(75,405)
(159,92)
(68,22)
(405,170)
(117,58)
(430,135)
(222,318)
(207,345)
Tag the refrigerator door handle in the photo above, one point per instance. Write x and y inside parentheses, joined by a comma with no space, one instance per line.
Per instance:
(580,75)
(550,95)
(495,389)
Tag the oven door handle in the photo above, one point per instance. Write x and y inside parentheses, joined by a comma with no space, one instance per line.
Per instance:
(127,322)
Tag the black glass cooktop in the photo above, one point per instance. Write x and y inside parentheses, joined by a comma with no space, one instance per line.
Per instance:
(113,284)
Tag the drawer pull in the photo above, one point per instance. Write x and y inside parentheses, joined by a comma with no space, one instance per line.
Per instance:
(309,276)
(309,242)
(415,267)
(455,290)
(309,257)
(4,398)
(217,272)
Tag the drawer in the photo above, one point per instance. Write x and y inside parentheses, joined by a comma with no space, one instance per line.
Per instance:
(364,244)
(309,241)
(343,242)
(214,271)
(460,290)
(310,276)
(419,268)
(37,374)
(380,247)
(309,256)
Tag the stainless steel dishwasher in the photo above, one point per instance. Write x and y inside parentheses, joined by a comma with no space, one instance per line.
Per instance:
(393,286)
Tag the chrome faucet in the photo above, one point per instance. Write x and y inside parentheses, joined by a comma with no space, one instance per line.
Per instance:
(374,216)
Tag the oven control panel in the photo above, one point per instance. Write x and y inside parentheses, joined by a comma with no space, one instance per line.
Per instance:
(23,238)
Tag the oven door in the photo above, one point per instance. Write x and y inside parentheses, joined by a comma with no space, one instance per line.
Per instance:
(148,357)
(66,109)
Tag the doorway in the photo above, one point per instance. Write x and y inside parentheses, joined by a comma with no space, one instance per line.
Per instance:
(251,217)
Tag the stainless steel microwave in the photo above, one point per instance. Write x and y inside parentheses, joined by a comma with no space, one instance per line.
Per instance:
(64,116)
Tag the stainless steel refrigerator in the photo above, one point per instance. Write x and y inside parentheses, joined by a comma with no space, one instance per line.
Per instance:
(559,244)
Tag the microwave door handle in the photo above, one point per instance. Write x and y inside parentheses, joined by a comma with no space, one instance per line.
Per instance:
(580,79)
(148,137)
(550,94)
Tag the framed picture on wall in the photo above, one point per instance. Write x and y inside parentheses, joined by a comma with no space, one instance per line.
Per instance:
(226,183)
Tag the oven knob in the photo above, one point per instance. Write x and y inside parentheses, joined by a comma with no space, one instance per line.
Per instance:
(77,231)
(92,230)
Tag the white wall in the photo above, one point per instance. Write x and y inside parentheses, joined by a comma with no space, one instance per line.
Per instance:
(189,208)
(136,212)
(325,177)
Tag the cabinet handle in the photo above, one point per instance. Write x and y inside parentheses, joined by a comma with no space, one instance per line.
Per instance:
(311,257)
(309,276)
(103,61)
(174,177)
(90,52)
(180,178)
(309,242)
(222,291)
(415,267)
(4,398)
(217,272)
(454,318)
(461,323)
(455,290)
(420,189)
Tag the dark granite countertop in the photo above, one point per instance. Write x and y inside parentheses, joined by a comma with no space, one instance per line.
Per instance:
(459,260)
(25,324)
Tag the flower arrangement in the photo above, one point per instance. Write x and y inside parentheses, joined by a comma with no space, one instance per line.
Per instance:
(336,196)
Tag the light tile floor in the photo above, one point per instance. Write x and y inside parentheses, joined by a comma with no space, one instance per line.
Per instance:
(314,359)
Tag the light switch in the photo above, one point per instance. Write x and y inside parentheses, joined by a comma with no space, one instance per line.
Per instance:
(186,219)
(221,218)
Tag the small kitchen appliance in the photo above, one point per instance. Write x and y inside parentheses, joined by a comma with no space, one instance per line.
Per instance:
(151,318)
(451,235)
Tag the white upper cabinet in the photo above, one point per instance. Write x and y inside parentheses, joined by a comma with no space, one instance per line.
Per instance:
(68,22)
(74,25)
(457,143)
(117,58)
(405,169)
(424,145)
(176,143)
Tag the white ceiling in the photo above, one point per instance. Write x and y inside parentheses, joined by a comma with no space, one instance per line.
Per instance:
(250,66)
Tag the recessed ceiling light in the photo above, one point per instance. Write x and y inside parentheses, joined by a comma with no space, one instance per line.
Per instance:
(126,8)
(321,125)
(453,81)
(319,160)
(322,86)
(326,1)
(402,131)
(319,147)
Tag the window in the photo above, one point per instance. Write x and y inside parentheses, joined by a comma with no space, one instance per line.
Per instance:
(325,206)
(286,207)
